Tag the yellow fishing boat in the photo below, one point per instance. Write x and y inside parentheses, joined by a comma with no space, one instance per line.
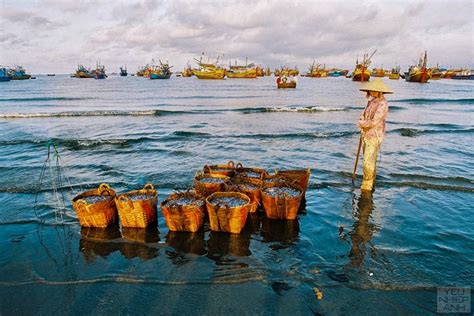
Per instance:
(260,72)
(361,72)
(317,72)
(250,73)
(208,70)
(378,72)
(267,72)
(394,74)
(419,73)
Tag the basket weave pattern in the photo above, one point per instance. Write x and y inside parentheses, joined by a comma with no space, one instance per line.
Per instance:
(138,213)
(99,214)
(183,218)
(223,218)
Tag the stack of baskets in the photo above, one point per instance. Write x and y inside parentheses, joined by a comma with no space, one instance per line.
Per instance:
(226,193)
(101,207)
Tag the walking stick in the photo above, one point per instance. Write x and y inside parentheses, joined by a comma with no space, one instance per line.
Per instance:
(357,160)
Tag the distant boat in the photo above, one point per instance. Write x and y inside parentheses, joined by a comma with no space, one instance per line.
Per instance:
(464,74)
(162,71)
(286,83)
(82,72)
(123,71)
(4,74)
(286,71)
(18,73)
(317,71)
(209,71)
(260,71)
(419,73)
(247,71)
(51,75)
(99,72)
(362,72)
(187,72)
(378,72)
(394,73)
(337,73)
(267,72)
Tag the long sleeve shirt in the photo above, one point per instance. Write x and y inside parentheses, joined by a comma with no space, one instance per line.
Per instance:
(372,120)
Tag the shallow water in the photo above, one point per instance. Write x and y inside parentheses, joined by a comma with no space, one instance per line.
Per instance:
(386,254)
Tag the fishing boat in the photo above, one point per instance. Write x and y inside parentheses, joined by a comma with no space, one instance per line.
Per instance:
(161,71)
(247,71)
(260,72)
(18,73)
(284,82)
(449,73)
(378,72)
(394,73)
(4,74)
(267,72)
(419,73)
(286,71)
(123,71)
(464,74)
(335,72)
(82,72)
(317,71)
(99,72)
(209,70)
(361,72)
(50,75)
(187,72)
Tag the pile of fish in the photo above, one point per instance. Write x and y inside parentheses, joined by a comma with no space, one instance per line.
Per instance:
(228,201)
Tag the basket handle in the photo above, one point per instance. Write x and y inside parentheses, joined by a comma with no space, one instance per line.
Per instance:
(231,164)
(125,199)
(239,166)
(82,205)
(104,188)
(149,187)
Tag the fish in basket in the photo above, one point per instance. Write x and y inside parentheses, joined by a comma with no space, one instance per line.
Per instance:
(251,187)
(281,201)
(206,184)
(274,179)
(227,211)
(301,176)
(138,208)
(96,208)
(184,211)
(224,170)
(255,173)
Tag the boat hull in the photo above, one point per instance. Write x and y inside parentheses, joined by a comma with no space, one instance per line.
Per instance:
(247,74)
(361,75)
(159,76)
(419,76)
(463,77)
(5,79)
(286,85)
(210,75)
(23,77)
(394,76)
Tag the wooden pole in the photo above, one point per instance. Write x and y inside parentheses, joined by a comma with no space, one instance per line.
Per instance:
(357,160)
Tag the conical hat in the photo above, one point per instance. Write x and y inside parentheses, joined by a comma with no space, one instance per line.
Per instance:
(376,85)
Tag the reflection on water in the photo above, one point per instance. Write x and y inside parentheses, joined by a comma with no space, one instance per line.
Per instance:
(362,230)
(187,243)
(101,242)
(252,226)
(222,244)
(280,231)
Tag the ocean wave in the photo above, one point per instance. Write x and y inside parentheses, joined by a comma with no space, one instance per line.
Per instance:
(40,99)
(313,135)
(92,113)
(413,132)
(437,100)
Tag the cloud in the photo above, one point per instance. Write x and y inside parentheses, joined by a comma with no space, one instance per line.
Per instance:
(267,32)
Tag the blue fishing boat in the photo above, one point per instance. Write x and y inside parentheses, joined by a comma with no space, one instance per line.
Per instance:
(123,71)
(99,72)
(163,71)
(18,73)
(4,74)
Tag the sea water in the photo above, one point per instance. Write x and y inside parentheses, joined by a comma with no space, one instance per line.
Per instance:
(387,254)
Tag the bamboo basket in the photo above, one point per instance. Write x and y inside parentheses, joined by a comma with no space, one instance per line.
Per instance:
(301,176)
(224,170)
(138,213)
(206,189)
(244,172)
(184,218)
(223,218)
(274,179)
(281,206)
(240,184)
(99,214)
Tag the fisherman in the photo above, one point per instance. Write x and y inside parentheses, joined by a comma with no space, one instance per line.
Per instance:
(372,127)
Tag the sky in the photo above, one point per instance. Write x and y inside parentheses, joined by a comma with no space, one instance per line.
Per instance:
(53,36)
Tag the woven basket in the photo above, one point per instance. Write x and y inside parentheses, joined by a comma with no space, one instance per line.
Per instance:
(274,179)
(138,213)
(240,184)
(184,218)
(223,218)
(301,176)
(281,206)
(223,170)
(244,172)
(206,189)
(99,214)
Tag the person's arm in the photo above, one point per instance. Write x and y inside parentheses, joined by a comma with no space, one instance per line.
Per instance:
(379,116)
